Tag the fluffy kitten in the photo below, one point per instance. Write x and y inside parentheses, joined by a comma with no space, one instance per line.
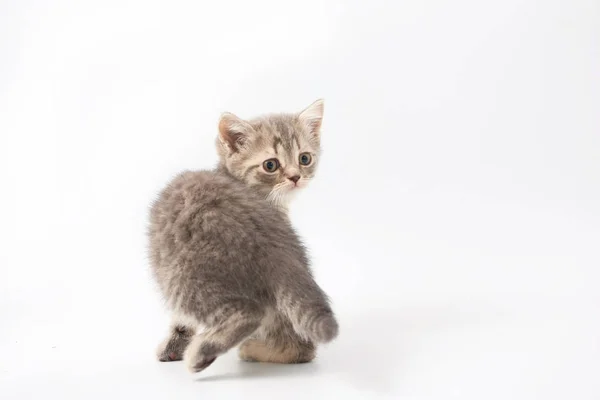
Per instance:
(225,255)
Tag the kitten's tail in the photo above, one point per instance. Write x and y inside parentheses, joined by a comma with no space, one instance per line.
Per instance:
(307,307)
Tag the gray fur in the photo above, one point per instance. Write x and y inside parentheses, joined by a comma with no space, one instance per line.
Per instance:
(226,257)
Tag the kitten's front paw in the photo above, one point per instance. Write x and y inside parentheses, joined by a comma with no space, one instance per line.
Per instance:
(199,355)
(201,364)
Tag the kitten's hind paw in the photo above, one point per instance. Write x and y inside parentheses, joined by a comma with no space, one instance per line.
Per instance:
(172,348)
(169,356)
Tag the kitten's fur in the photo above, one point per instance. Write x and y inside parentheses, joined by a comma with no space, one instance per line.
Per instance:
(226,257)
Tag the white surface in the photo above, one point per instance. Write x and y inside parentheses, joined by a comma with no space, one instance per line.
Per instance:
(455,221)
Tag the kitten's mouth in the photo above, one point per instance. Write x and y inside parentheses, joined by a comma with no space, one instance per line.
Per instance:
(284,192)
(296,186)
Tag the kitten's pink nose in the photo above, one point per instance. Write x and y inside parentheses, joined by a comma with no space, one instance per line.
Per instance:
(294,178)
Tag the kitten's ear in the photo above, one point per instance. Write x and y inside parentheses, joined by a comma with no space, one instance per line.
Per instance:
(312,116)
(234,131)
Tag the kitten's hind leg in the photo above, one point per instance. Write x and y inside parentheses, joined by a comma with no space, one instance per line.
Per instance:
(173,346)
(277,342)
(291,352)
(226,328)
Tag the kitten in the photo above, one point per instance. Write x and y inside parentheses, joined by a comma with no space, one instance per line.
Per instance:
(225,255)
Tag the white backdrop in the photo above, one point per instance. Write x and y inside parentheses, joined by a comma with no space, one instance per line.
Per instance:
(455,221)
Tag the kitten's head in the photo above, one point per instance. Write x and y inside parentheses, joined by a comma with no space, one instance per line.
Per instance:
(278,153)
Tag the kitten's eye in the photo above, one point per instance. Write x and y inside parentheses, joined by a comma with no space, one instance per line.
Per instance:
(305,159)
(271,165)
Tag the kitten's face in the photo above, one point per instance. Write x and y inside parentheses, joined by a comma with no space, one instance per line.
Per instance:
(278,153)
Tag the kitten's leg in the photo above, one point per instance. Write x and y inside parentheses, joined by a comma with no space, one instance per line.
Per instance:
(293,352)
(277,342)
(226,328)
(172,347)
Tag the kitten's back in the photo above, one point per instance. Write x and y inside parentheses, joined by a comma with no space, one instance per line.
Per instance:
(213,239)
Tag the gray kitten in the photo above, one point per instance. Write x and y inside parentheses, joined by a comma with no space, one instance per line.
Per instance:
(225,255)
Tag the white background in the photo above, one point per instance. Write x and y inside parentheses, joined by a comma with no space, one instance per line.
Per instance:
(455,221)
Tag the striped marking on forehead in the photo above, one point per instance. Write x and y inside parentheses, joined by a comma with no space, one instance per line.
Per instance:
(277,143)
(286,137)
